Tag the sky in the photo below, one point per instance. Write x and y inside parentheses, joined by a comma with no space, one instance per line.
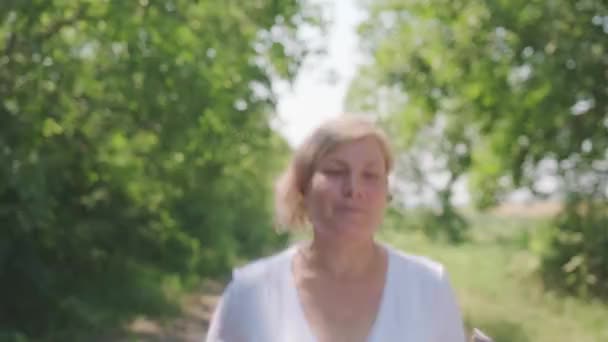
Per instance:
(313,98)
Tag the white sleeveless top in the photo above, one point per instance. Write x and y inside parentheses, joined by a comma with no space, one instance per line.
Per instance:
(261,304)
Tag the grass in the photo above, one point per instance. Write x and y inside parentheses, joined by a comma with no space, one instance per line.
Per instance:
(498,290)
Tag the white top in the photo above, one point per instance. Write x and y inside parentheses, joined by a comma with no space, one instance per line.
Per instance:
(261,304)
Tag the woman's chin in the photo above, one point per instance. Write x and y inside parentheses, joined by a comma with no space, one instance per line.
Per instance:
(349,229)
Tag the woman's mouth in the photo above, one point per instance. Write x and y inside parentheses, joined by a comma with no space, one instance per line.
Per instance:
(350,209)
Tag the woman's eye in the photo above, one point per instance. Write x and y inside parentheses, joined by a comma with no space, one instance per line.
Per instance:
(334,172)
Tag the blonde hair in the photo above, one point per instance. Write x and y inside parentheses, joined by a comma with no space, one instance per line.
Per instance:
(291,186)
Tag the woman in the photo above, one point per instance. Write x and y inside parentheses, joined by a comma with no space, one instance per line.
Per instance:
(342,285)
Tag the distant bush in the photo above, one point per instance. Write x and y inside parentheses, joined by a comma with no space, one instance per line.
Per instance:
(449,225)
(574,252)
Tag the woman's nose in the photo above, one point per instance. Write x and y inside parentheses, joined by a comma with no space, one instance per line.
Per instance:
(352,187)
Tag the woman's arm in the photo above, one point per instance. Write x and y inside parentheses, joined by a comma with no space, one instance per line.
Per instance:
(450,327)
(225,323)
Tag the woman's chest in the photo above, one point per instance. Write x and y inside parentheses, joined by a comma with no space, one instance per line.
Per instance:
(340,312)
(403,316)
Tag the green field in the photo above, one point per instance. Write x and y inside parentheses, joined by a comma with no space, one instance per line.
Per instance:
(494,275)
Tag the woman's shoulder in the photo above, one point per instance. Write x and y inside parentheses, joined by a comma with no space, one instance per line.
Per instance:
(262,269)
(250,296)
(415,265)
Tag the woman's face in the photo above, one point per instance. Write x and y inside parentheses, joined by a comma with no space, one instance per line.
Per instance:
(347,193)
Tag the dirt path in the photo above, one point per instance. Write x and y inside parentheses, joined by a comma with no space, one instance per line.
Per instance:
(189,327)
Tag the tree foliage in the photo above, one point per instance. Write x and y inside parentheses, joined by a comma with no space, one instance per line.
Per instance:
(520,86)
(134,141)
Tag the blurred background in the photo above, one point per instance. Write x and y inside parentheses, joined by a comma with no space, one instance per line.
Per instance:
(139,142)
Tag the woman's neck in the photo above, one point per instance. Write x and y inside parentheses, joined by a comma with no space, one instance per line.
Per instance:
(343,259)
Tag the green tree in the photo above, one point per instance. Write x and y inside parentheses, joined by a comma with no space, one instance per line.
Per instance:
(522,83)
(134,143)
